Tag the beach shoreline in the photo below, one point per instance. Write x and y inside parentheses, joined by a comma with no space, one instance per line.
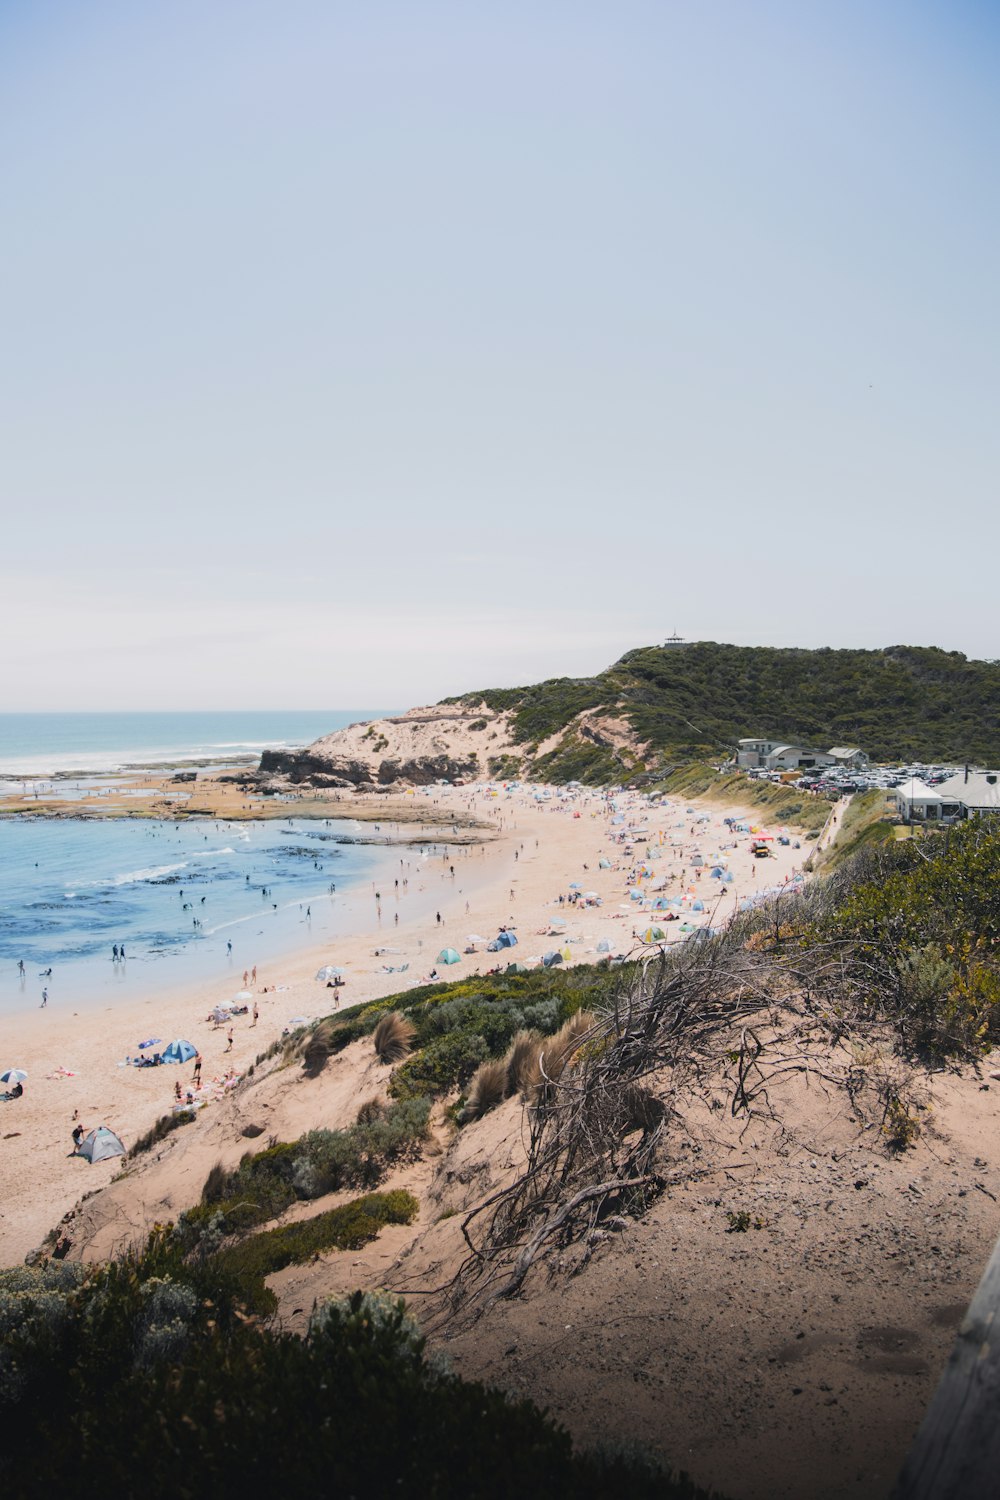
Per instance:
(532,852)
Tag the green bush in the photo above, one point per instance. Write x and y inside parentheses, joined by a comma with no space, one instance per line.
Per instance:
(346,1228)
(149,1378)
(321,1161)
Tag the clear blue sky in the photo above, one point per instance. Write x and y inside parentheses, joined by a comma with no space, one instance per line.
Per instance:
(368,353)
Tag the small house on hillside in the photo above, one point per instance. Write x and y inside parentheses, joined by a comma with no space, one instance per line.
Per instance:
(916,802)
(850,756)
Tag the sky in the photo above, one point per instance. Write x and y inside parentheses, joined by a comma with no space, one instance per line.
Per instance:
(373,353)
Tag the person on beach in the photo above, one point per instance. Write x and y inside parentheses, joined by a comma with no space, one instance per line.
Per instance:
(246,977)
(78,1135)
(229,1040)
(177,1091)
(45,998)
(114,954)
(253,974)
(256,1013)
(196,1075)
(229,949)
(121,951)
(20,967)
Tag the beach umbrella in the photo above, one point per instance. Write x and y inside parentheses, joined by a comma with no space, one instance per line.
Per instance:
(474,937)
(574,885)
(242,995)
(13,1075)
(448,956)
(330,971)
(604,864)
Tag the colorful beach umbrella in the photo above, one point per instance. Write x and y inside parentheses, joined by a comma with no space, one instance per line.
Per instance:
(13,1075)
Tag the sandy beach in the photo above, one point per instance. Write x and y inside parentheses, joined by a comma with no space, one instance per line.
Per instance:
(531,853)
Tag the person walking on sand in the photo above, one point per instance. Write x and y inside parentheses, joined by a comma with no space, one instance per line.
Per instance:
(229,1040)
(229,949)
(256,1013)
(114,953)
(196,1075)
(121,951)
(45,998)
(253,974)
(246,977)
(20,967)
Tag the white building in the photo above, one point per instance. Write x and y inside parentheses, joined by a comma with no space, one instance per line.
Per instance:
(974,792)
(777,755)
(967,795)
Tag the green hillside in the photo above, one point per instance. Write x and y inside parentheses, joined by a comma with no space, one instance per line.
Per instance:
(899,703)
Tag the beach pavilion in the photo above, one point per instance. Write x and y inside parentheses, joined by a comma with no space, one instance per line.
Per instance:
(917,802)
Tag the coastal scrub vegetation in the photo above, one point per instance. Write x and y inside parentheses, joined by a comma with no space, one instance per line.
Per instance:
(319,1162)
(693,702)
(781,804)
(149,1374)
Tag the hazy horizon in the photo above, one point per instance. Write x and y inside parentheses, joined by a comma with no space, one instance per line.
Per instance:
(383,354)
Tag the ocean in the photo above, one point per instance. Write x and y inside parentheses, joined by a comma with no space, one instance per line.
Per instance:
(175,893)
(48,745)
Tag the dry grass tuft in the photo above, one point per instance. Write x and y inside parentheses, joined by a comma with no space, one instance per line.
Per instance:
(393,1037)
(522,1062)
(316,1049)
(557,1052)
(373,1109)
(215,1184)
(487,1089)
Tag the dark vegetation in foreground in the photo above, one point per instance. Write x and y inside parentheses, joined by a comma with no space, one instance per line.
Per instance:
(160,1372)
(147,1377)
(689,702)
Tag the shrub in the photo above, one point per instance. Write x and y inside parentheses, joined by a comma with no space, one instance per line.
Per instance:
(445,1064)
(393,1037)
(317,1048)
(346,1228)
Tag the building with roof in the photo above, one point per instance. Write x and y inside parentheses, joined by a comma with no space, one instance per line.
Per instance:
(977,792)
(757,754)
(850,756)
(970,794)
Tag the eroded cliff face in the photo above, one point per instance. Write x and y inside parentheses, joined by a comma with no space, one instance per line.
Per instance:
(448,742)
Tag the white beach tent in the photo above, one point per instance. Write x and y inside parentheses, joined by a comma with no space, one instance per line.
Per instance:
(100,1144)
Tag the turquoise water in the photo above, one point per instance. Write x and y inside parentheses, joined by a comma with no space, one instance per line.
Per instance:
(175,894)
(60,744)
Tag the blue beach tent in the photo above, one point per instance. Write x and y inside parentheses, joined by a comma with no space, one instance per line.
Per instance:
(179,1052)
(506,939)
(552,958)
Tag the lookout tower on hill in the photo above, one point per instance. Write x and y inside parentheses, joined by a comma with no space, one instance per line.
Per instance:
(675,640)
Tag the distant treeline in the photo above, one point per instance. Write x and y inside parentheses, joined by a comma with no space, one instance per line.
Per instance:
(900,703)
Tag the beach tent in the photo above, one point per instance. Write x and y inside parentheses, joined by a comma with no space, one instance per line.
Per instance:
(100,1144)
(653,935)
(448,956)
(729,877)
(604,946)
(179,1052)
(715,874)
(604,864)
(698,906)
(548,959)
(506,939)
(516,969)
